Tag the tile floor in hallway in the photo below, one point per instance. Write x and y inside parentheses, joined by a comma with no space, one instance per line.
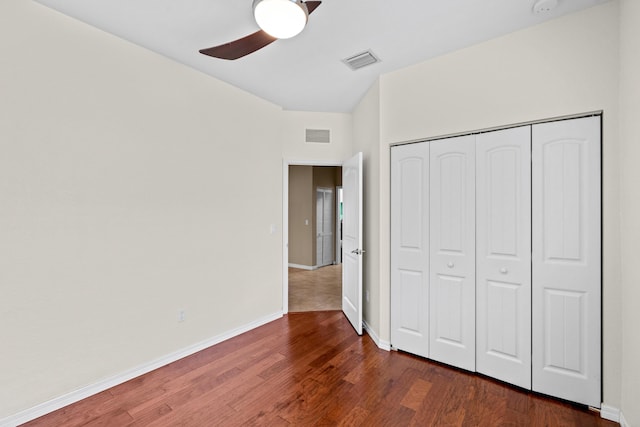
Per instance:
(315,290)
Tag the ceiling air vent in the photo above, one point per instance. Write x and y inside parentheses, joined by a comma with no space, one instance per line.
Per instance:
(361,60)
(318,136)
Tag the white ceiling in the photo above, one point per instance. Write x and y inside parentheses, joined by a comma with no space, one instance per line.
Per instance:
(306,73)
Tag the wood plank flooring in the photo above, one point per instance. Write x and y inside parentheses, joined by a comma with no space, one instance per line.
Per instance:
(315,290)
(311,369)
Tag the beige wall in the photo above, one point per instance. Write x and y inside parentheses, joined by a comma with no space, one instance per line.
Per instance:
(630,206)
(295,149)
(117,209)
(327,176)
(301,216)
(565,66)
(366,137)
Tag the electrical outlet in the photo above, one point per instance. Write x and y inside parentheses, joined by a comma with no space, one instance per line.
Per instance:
(366,294)
(182,315)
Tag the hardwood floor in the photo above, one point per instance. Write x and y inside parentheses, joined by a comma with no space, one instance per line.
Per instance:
(315,290)
(310,369)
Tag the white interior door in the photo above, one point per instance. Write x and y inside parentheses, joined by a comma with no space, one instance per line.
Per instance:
(352,250)
(452,252)
(503,255)
(566,215)
(410,248)
(324,226)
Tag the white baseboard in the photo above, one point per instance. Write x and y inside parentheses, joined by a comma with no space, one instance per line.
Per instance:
(303,267)
(384,345)
(613,414)
(610,413)
(623,421)
(102,385)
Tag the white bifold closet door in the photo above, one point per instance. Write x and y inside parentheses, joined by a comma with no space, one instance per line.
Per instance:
(452,252)
(566,221)
(496,255)
(410,248)
(503,255)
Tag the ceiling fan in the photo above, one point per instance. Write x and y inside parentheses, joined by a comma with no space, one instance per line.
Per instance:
(278,19)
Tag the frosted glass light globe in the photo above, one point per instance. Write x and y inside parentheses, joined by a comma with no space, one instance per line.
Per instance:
(281,19)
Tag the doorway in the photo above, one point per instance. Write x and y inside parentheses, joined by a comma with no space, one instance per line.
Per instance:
(312,273)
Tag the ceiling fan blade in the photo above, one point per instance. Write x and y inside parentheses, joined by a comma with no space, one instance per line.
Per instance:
(249,44)
(311,5)
(241,47)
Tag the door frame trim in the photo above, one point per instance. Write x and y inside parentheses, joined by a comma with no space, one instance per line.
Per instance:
(285,219)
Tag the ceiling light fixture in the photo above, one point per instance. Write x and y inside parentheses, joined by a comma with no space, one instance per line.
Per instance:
(281,19)
(543,6)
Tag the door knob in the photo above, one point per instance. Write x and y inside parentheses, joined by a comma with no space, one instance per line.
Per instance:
(450,264)
(504,270)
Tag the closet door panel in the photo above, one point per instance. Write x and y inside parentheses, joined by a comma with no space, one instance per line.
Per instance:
(410,248)
(566,316)
(452,252)
(503,255)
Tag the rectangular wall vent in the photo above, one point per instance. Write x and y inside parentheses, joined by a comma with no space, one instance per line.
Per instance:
(361,60)
(318,136)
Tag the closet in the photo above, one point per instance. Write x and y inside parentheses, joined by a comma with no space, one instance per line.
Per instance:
(496,254)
